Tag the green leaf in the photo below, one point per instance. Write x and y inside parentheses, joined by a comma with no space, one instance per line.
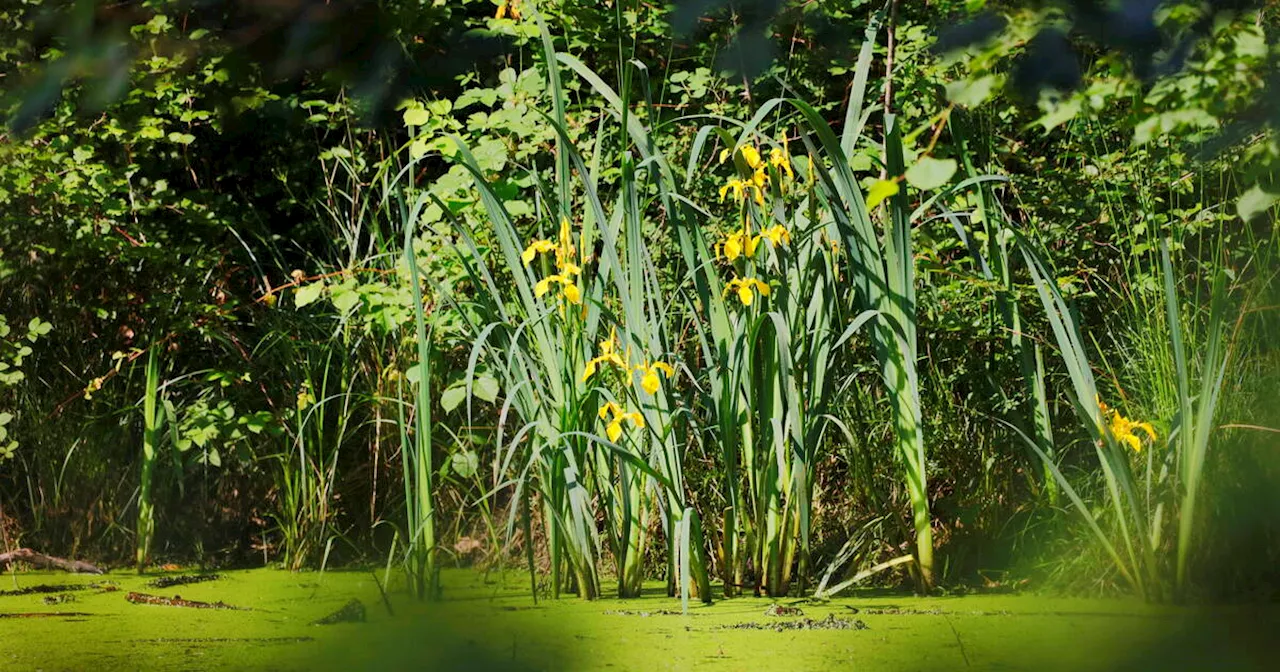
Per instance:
(256,422)
(5,418)
(491,154)
(971,92)
(930,173)
(1060,114)
(1255,202)
(345,298)
(880,191)
(37,328)
(419,147)
(452,398)
(307,294)
(416,116)
(486,388)
(465,463)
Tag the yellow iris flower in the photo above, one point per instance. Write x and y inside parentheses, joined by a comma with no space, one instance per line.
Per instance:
(614,429)
(650,382)
(781,157)
(742,242)
(506,7)
(565,253)
(777,234)
(739,242)
(753,186)
(741,189)
(535,248)
(746,289)
(568,287)
(1123,429)
(608,355)
(749,154)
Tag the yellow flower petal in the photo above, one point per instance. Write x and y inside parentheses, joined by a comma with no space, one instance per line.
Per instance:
(745,295)
(564,230)
(614,430)
(542,286)
(732,248)
(534,249)
(650,382)
(751,155)
(778,157)
(588,370)
(572,293)
(777,234)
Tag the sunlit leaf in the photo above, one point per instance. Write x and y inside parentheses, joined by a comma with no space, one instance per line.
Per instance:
(930,173)
(307,294)
(880,191)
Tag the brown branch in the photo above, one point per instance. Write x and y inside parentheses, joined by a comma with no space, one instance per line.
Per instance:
(42,560)
(300,281)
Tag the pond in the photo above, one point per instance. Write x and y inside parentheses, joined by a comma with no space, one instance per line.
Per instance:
(269,619)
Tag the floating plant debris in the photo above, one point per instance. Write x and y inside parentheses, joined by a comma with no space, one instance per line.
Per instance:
(780,610)
(177,601)
(183,580)
(828,623)
(351,612)
(43,590)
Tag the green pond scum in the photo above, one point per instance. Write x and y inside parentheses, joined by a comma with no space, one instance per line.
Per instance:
(488,621)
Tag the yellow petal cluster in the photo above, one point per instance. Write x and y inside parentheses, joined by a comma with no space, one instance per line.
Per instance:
(779,158)
(613,429)
(742,243)
(754,186)
(535,248)
(1124,430)
(746,289)
(608,355)
(649,380)
(568,270)
(738,243)
(776,234)
(742,189)
(508,7)
(750,155)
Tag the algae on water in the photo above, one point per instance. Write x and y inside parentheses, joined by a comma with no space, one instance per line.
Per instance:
(491,623)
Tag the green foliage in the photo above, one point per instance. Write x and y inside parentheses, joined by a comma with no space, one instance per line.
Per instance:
(13,349)
(352,342)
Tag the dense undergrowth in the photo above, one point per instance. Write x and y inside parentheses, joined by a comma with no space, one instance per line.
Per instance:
(618,306)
